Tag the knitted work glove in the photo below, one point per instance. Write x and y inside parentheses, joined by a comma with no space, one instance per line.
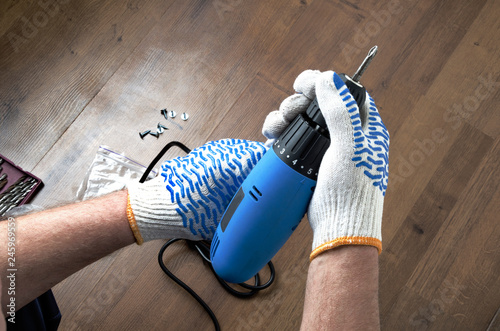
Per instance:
(346,207)
(190,196)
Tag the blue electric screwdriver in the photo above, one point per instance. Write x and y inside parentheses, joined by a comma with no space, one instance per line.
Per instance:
(274,197)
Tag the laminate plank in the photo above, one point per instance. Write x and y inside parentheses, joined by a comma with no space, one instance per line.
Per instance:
(66,60)
(410,311)
(470,88)
(429,213)
(466,249)
(249,111)
(495,322)
(432,127)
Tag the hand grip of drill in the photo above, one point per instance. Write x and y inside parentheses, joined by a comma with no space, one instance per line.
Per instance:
(274,197)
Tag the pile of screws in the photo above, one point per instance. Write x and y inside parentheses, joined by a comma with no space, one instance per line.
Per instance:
(160,128)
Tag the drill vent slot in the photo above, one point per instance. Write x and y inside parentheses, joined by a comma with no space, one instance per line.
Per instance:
(255,193)
(214,246)
(256,190)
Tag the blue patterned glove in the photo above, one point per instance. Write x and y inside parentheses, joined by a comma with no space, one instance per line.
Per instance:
(190,196)
(347,205)
(346,208)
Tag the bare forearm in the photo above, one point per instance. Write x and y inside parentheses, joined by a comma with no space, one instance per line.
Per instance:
(342,290)
(53,244)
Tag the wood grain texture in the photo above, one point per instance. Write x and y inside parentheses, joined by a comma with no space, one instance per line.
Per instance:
(97,72)
(50,76)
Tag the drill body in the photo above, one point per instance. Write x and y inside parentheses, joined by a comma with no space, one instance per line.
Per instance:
(272,200)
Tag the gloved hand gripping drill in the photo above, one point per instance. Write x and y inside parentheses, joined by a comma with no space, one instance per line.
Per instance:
(275,196)
(190,197)
(346,207)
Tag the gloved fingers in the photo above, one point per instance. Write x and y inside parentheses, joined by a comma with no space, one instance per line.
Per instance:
(269,143)
(274,124)
(294,105)
(278,120)
(192,192)
(346,126)
(373,127)
(337,105)
(305,83)
(216,150)
(373,120)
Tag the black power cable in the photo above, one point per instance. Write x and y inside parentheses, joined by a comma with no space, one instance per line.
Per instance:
(183,285)
(203,248)
(160,155)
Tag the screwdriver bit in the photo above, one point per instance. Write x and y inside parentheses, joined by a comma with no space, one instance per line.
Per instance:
(371,54)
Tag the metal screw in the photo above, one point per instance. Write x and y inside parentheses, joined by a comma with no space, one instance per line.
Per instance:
(143,134)
(156,134)
(164,113)
(161,128)
(184,116)
(172,114)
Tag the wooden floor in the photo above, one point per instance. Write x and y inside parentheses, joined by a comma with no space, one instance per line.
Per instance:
(79,74)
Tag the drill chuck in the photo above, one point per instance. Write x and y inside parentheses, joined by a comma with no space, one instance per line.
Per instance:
(304,142)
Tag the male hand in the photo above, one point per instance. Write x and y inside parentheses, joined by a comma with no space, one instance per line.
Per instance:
(191,194)
(346,207)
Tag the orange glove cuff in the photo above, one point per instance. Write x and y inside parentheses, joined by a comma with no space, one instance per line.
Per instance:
(133,223)
(366,241)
